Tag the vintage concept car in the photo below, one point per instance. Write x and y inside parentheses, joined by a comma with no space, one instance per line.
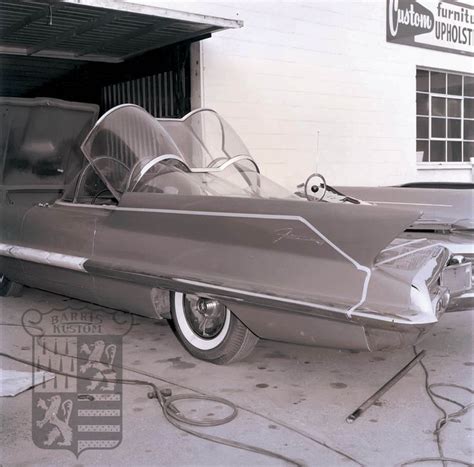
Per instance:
(447,215)
(171,219)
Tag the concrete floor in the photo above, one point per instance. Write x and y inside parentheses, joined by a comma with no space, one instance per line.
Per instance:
(310,389)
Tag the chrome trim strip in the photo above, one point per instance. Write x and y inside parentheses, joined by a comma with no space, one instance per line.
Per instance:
(361,314)
(234,215)
(84,205)
(74,263)
(396,247)
(224,165)
(389,260)
(464,249)
(149,165)
(467,295)
(205,170)
(412,204)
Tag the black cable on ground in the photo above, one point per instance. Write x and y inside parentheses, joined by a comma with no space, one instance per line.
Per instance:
(442,421)
(169,411)
(240,407)
(245,409)
(420,460)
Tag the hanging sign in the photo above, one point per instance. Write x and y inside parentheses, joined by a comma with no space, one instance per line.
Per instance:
(447,25)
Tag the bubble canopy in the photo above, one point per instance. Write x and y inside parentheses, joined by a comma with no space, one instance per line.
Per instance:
(204,138)
(199,154)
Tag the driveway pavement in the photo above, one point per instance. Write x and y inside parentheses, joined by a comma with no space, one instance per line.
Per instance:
(292,400)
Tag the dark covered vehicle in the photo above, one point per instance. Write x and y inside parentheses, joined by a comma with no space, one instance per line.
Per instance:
(171,219)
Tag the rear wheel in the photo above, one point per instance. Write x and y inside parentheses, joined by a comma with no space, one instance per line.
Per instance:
(9,288)
(208,329)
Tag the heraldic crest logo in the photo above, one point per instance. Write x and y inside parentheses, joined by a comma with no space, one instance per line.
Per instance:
(81,407)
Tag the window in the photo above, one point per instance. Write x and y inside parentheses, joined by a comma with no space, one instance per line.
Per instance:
(444,116)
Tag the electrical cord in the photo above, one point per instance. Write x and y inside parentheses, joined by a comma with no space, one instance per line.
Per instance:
(170,412)
(281,423)
(173,417)
(442,421)
(240,407)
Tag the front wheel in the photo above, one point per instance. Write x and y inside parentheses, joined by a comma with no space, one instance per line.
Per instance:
(209,331)
(9,288)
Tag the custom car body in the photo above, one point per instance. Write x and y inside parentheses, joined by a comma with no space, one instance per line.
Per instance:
(447,217)
(172,219)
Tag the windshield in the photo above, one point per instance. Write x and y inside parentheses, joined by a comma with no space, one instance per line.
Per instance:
(204,138)
(123,138)
(172,177)
(132,151)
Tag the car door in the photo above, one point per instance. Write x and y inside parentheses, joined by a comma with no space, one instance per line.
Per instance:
(60,238)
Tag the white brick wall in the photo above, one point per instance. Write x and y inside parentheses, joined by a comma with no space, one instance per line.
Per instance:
(302,71)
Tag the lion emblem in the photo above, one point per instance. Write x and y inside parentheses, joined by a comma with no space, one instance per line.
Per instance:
(103,370)
(52,414)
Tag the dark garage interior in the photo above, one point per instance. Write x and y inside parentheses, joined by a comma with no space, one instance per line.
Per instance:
(75,51)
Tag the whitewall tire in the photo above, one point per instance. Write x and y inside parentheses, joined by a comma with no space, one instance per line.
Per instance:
(209,330)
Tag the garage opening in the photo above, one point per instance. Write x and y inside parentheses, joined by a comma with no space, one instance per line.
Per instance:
(158,80)
(101,52)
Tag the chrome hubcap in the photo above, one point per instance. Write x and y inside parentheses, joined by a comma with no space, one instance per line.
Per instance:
(205,317)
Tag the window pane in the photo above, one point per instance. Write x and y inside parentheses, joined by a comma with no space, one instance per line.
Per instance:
(454,128)
(469,86)
(422,127)
(422,81)
(469,129)
(422,101)
(468,108)
(438,106)
(454,151)
(454,107)
(438,82)
(444,125)
(438,151)
(455,85)
(438,128)
(468,151)
(422,146)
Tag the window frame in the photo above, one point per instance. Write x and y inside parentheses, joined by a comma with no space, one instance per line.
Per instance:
(464,161)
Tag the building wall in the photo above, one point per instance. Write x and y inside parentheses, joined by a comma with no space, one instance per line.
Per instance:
(315,86)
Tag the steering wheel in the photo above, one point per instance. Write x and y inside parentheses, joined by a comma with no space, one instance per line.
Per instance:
(311,188)
(97,196)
